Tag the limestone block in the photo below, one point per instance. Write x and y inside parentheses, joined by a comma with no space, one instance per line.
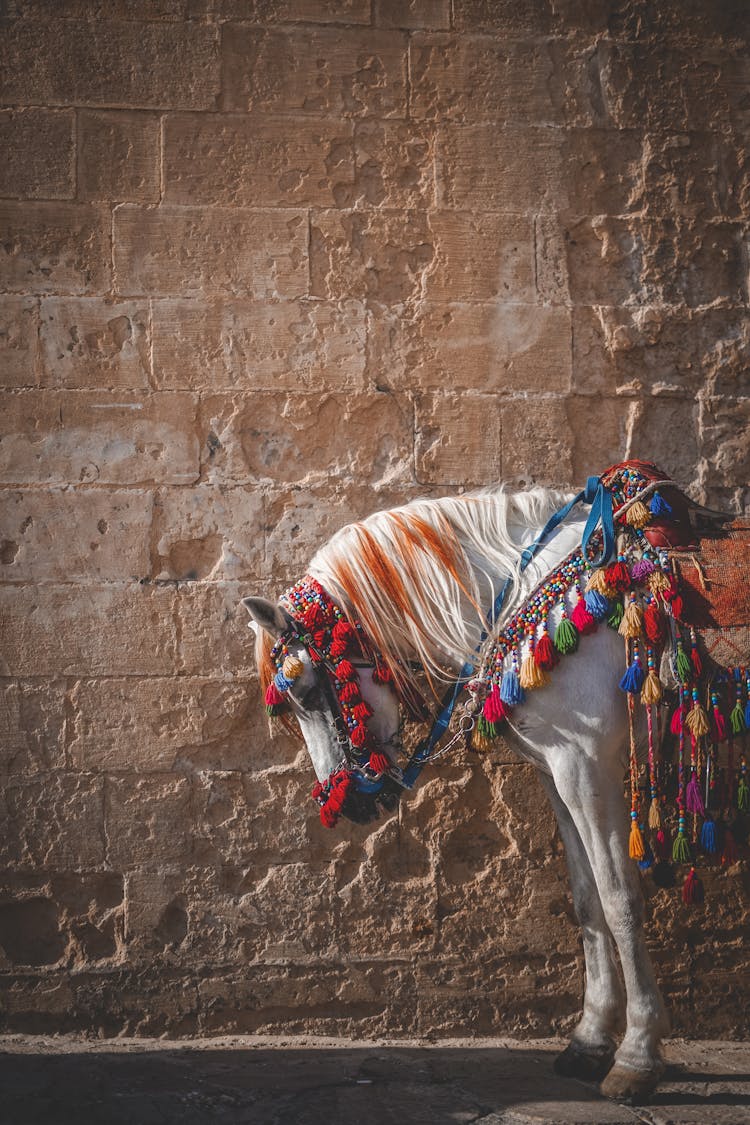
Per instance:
(463,270)
(89,342)
(78,917)
(168,10)
(381,255)
(52,437)
(305,439)
(19,332)
(536,442)
(551,260)
(395,164)
(337,72)
(54,821)
(111,630)
(309,11)
(481,347)
(108,62)
(208,532)
(458,439)
(158,724)
(185,251)
(252,161)
(653,350)
(263,345)
(54,247)
(37,146)
(118,156)
(31,727)
(613,261)
(633,19)
(148,820)
(135,1002)
(413,14)
(682,176)
(33,1005)
(530,16)
(521,170)
(599,434)
(724,446)
(67,535)
(214,637)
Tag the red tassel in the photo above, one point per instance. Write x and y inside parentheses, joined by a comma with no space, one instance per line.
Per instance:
(274,698)
(545,653)
(358,735)
(662,845)
(362,711)
(676,724)
(494,710)
(350,693)
(720,726)
(381,674)
(319,638)
(676,606)
(379,763)
(653,624)
(345,671)
(618,576)
(584,621)
(692,889)
(695,656)
(313,617)
(318,790)
(343,631)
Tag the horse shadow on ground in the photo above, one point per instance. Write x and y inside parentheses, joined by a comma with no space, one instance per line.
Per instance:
(133,1083)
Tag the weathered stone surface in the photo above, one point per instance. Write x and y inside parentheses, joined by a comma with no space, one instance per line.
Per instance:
(118,156)
(32,720)
(309,11)
(53,822)
(257,161)
(182,251)
(54,438)
(458,439)
(87,630)
(724,431)
(57,62)
(304,438)
(543,17)
(87,342)
(395,164)
(483,347)
(416,14)
(37,146)
(54,248)
(19,332)
(106,535)
(214,638)
(259,345)
(208,532)
(331,72)
(161,724)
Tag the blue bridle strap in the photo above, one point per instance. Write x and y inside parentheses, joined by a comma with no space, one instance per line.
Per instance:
(600,500)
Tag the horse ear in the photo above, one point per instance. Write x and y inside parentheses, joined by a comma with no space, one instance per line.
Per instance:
(273,618)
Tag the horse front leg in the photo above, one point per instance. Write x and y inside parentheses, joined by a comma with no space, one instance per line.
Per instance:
(591,788)
(591,1050)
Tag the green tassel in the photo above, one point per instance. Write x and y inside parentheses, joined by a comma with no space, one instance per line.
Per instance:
(743,796)
(615,617)
(737,719)
(684,667)
(566,637)
(487,729)
(681,849)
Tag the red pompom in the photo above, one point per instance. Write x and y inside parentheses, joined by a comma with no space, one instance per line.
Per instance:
(618,576)
(350,693)
(676,606)
(313,617)
(653,624)
(494,710)
(381,674)
(358,735)
(584,621)
(545,653)
(362,711)
(343,631)
(338,649)
(345,671)
(379,763)
(318,790)
(274,698)
(676,724)
(319,638)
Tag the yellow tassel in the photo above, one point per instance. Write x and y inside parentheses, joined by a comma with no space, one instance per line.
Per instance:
(696,721)
(638,515)
(531,675)
(598,582)
(632,621)
(635,846)
(651,691)
(654,815)
(658,582)
(480,742)
(292,668)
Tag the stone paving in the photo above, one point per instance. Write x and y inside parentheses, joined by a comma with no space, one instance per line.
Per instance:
(307,1081)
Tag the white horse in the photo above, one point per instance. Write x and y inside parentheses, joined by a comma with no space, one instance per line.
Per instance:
(415,577)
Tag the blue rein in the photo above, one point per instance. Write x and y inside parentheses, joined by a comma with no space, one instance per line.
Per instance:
(600,500)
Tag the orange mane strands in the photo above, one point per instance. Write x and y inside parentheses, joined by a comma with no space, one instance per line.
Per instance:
(264,642)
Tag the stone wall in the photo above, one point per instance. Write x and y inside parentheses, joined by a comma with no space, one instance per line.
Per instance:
(269,265)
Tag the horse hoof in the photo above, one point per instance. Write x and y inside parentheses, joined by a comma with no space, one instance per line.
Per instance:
(590,1064)
(631,1087)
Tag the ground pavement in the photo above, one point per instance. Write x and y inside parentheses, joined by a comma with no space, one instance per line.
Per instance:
(304,1081)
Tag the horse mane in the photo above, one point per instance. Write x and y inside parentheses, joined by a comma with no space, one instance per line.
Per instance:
(417,576)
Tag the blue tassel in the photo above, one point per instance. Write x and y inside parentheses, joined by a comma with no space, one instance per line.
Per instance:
(648,855)
(511,691)
(282,683)
(597,605)
(659,505)
(747,714)
(632,681)
(708,836)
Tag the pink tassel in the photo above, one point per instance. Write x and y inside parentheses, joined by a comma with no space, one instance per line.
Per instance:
(693,799)
(582,619)
(494,710)
(676,724)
